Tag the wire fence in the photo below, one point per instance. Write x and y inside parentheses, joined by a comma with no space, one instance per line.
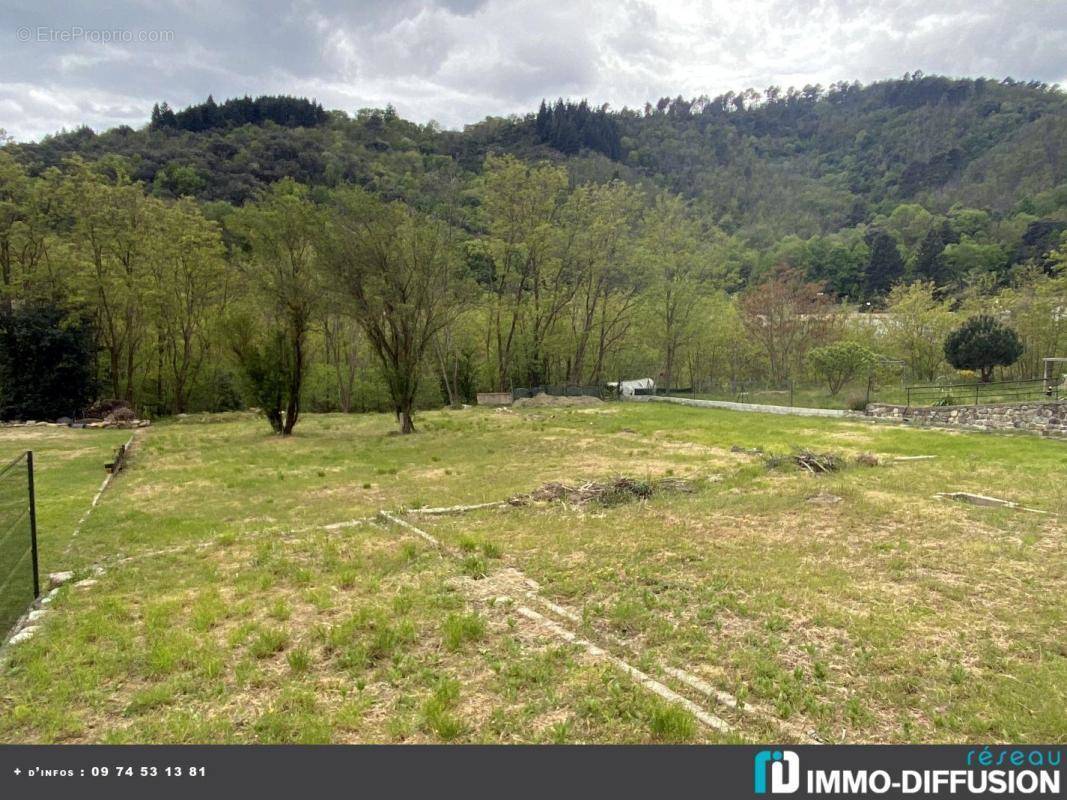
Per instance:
(967,394)
(19,583)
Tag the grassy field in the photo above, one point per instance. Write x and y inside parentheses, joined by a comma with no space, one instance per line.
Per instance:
(849,607)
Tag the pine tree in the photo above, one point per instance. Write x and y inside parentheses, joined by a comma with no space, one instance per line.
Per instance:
(885,267)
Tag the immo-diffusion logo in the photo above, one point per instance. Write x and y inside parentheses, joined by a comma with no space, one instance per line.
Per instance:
(784,769)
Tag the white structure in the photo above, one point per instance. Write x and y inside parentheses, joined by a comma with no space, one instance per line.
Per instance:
(627,388)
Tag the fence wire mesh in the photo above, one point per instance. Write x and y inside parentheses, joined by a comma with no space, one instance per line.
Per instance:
(18,541)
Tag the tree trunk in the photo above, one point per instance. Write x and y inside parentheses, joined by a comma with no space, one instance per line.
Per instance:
(407,419)
(274,417)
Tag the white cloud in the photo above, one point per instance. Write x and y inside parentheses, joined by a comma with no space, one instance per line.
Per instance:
(457,61)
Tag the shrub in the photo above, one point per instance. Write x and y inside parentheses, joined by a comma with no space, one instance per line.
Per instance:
(982,343)
(856,402)
(840,362)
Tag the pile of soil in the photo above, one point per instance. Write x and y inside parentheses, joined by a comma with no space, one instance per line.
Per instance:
(552,400)
(613,492)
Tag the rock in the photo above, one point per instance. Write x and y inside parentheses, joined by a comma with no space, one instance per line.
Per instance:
(24,634)
(64,421)
(86,583)
(57,579)
(37,614)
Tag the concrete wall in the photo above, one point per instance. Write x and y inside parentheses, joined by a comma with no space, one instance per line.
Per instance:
(494,398)
(793,410)
(1046,418)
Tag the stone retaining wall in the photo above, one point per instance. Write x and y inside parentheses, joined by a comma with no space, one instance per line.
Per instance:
(1049,419)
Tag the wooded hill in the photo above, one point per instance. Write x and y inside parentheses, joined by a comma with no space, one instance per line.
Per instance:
(795,161)
(580,243)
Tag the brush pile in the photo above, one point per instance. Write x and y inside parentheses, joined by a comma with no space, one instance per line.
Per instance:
(609,493)
(815,463)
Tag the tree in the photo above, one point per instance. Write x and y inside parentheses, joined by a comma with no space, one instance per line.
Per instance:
(528,285)
(264,360)
(916,324)
(676,253)
(930,263)
(46,363)
(885,266)
(840,363)
(982,343)
(399,274)
(189,283)
(786,316)
(112,244)
(278,269)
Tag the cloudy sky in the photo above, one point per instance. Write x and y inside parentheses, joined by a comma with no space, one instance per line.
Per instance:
(457,61)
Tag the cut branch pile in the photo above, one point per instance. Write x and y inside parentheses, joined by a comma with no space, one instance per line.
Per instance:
(815,463)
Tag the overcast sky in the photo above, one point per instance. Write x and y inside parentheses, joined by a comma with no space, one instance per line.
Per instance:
(458,61)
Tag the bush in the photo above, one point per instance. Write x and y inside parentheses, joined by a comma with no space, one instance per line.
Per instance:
(840,362)
(982,343)
(856,402)
(46,363)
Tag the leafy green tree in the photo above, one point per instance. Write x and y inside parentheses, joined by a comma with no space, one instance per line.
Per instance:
(916,324)
(46,363)
(112,245)
(981,344)
(971,258)
(683,270)
(263,357)
(399,275)
(841,362)
(528,287)
(885,266)
(188,290)
(278,270)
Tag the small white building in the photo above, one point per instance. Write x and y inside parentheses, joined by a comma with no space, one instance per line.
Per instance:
(627,388)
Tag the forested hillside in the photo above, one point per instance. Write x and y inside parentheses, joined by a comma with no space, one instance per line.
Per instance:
(575,244)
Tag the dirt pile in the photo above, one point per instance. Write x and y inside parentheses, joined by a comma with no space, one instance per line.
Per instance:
(614,492)
(554,400)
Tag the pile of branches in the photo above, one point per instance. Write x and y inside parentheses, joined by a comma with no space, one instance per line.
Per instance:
(614,492)
(815,463)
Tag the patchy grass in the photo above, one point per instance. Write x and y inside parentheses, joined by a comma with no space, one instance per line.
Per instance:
(886,615)
(68,470)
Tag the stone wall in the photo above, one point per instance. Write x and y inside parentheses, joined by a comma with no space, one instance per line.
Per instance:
(1049,419)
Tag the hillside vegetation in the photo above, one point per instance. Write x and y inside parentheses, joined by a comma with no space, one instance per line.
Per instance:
(710,242)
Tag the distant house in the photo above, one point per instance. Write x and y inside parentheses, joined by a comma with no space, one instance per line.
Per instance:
(629,388)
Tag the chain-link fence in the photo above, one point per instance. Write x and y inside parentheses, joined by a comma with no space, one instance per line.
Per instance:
(19,584)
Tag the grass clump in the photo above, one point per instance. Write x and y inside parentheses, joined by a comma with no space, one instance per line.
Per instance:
(268,642)
(669,723)
(458,629)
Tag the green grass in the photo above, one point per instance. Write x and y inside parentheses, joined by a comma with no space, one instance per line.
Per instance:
(68,470)
(884,615)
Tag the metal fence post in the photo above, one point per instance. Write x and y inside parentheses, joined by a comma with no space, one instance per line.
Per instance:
(33,525)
